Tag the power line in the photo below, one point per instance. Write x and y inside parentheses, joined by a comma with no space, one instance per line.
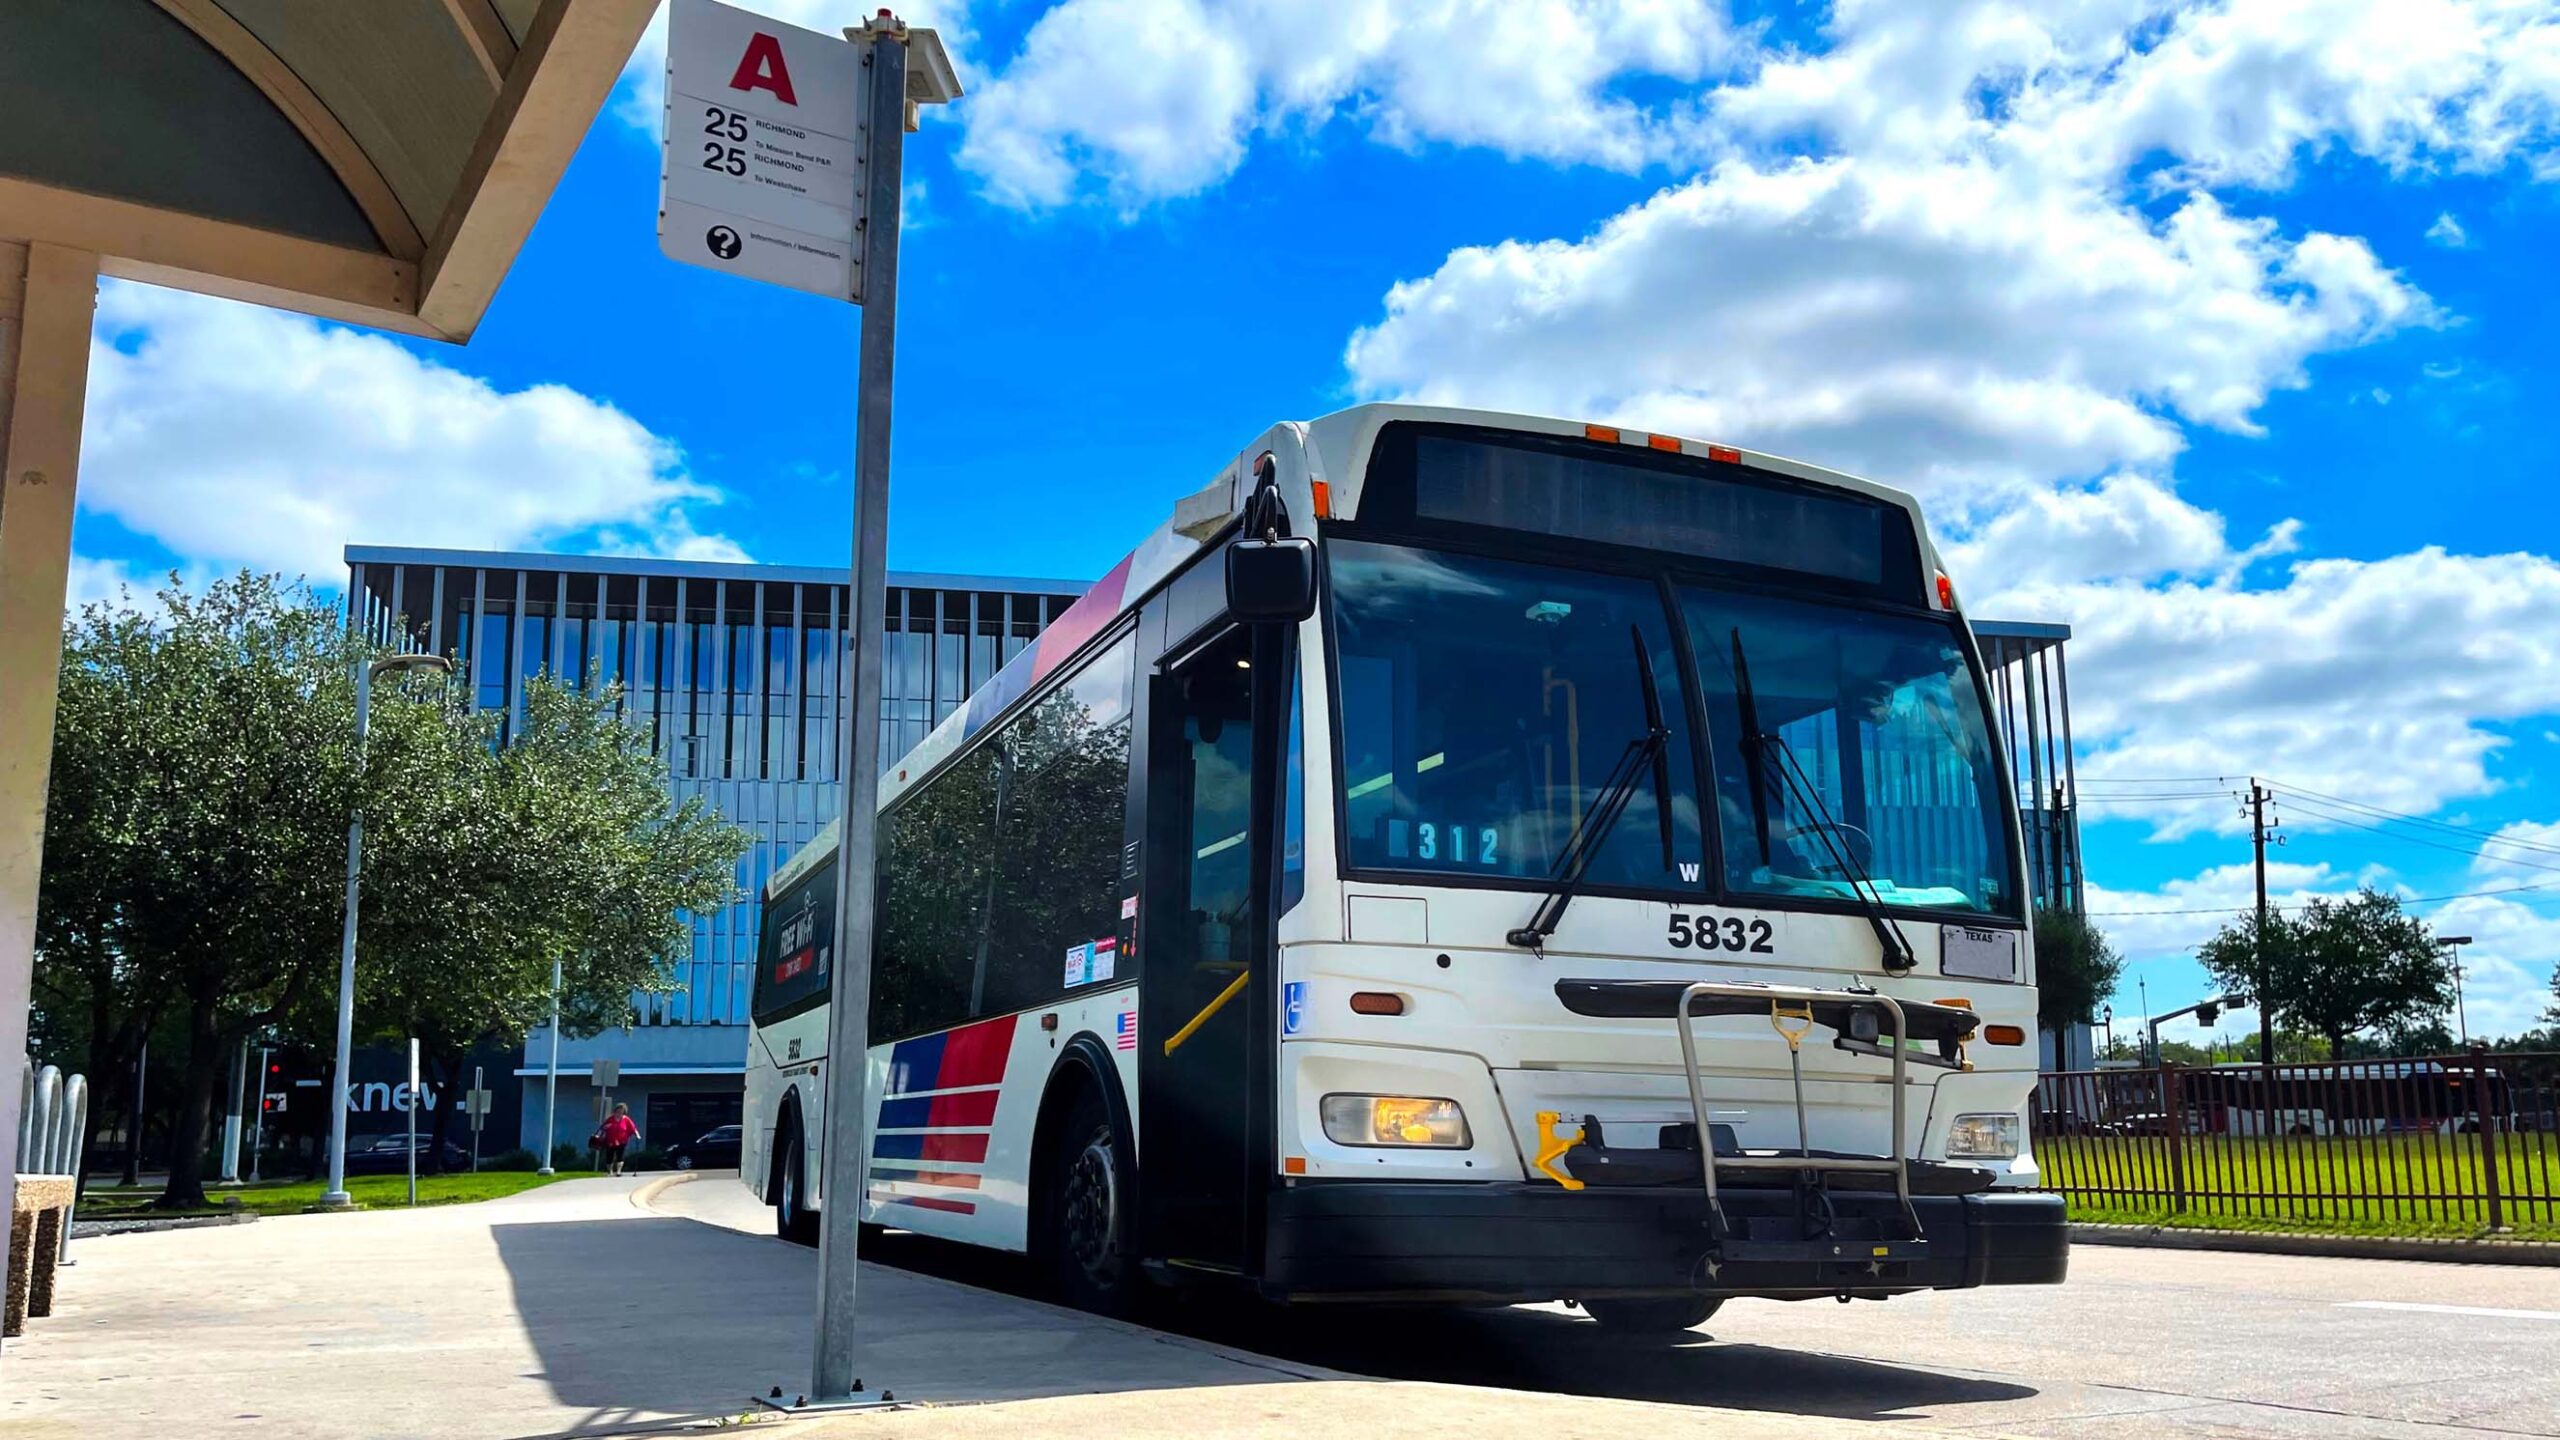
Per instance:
(2406,818)
(2236,909)
(2336,818)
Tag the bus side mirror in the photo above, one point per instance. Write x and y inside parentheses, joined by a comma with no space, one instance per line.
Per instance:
(1271,581)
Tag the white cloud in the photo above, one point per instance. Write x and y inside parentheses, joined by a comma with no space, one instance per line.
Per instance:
(2183,914)
(2001,254)
(235,435)
(1148,99)
(2126,527)
(119,584)
(2525,851)
(2507,967)
(2448,232)
(640,96)
(2238,93)
(1951,326)
(2380,680)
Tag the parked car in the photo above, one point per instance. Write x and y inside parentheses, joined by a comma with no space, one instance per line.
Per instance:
(390,1156)
(715,1149)
(2065,1122)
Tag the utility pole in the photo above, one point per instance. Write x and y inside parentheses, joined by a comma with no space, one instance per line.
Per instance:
(2266,1014)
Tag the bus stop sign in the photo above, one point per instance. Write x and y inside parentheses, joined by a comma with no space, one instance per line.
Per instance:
(761,168)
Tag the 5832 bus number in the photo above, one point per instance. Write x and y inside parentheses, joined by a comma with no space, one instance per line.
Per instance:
(1731,932)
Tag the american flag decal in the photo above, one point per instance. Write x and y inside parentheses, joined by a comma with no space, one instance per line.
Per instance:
(1127,1038)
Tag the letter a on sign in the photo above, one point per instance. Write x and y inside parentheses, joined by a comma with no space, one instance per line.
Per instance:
(761,68)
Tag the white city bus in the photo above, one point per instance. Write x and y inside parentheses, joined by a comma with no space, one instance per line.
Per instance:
(1458,857)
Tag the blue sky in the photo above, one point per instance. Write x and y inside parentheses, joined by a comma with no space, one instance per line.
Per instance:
(2220,332)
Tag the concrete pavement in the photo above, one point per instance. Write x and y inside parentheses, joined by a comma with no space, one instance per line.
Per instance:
(2139,1342)
(597,1306)
(577,1309)
(567,1309)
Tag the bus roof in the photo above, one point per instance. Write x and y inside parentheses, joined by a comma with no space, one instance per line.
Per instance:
(1336,449)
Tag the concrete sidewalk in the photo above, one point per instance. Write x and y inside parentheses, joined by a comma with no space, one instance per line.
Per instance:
(577,1309)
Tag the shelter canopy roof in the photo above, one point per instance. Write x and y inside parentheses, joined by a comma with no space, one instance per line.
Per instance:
(378,161)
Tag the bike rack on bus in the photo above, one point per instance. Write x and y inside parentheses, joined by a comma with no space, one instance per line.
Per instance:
(1860,1019)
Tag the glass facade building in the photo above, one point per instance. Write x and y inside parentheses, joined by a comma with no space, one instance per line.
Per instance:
(738,674)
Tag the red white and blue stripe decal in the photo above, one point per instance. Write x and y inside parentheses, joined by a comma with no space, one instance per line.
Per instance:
(937,1111)
(1126,1037)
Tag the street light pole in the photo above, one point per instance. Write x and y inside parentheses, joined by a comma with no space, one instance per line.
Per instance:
(551,1079)
(335,1197)
(2461,1014)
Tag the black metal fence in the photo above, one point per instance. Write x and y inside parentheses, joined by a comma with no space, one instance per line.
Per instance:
(2441,1144)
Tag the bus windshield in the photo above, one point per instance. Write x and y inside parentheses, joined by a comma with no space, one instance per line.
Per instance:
(1485,701)
(1877,715)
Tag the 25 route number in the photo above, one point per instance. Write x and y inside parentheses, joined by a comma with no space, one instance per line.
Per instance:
(723,125)
(1706,932)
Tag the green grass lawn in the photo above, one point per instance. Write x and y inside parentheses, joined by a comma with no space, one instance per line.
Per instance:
(292,1197)
(2414,1185)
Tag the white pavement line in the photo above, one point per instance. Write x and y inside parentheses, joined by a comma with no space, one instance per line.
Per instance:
(2489,1312)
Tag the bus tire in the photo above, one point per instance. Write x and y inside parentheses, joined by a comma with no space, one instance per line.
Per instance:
(1085,1217)
(1667,1316)
(793,1220)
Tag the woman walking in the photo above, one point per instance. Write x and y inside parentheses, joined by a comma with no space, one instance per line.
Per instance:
(614,1137)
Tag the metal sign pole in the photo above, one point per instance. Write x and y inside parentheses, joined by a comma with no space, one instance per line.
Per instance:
(845,1117)
(412,1108)
(479,1108)
(258,1135)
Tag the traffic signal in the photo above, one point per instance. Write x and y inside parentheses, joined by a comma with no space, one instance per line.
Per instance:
(275,1104)
(2208,1012)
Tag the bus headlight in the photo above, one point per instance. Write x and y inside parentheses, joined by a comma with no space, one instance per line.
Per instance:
(1394,1120)
(1983,1137)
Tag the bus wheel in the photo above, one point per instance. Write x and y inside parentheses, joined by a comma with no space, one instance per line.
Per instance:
(1652,1317)
(1088,1209)
(793,1220)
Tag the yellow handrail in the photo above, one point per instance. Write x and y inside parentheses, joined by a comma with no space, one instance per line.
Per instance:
(1234,988)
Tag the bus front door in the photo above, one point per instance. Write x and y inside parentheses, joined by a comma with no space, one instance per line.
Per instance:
(1201,938)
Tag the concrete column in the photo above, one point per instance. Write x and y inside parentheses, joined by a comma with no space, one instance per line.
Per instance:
(48,296)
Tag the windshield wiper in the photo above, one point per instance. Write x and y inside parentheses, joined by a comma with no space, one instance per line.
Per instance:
(1758,745)
(1647,752)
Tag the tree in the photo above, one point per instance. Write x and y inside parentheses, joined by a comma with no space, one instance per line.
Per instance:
(486,864)
(88,1015)
(2340,968)
(204,764)
(2076,969)
(205,768)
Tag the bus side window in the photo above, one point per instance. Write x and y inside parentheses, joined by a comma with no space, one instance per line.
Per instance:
(935,852)
(1057,846)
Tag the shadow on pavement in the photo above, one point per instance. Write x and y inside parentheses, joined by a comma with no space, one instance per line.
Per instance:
(1518,1348)
(642,1318)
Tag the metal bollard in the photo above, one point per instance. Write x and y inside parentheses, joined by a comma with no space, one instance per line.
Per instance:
(75,1104)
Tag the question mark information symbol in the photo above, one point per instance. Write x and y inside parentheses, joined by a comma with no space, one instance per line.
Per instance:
(723,242)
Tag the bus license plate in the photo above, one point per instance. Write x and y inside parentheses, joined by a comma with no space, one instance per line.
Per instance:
(1978,954)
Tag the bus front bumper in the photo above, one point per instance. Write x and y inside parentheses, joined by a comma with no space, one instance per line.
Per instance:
(1509,1243)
